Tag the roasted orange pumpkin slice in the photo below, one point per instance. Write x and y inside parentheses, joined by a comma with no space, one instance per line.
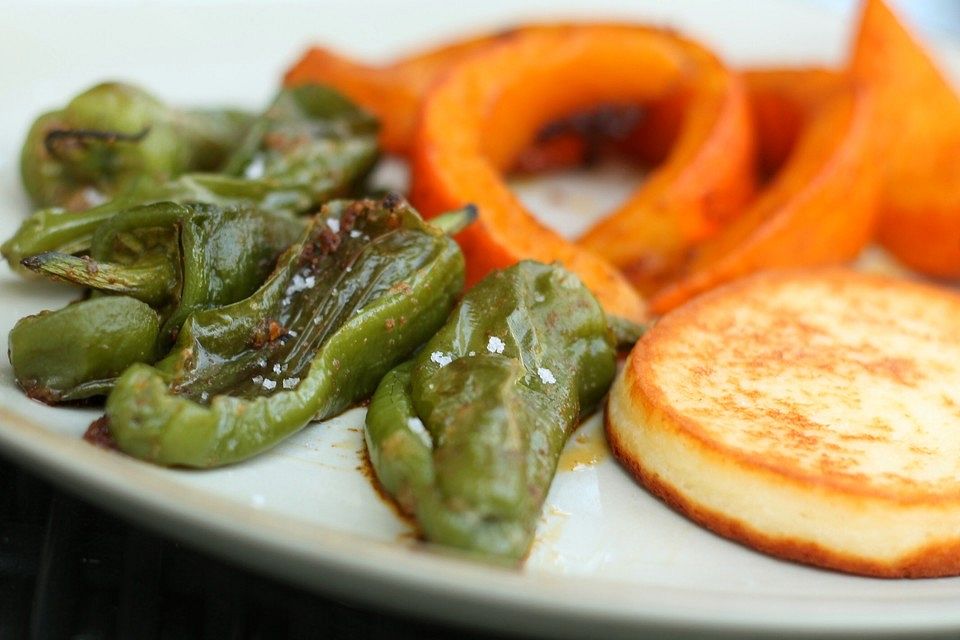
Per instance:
(917,132)
(478,119)
(392,92)
(820,205)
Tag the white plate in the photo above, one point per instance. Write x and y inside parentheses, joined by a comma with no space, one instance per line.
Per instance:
(609,560)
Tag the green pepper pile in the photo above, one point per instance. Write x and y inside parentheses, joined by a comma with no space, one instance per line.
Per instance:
(237,285)
(177,241)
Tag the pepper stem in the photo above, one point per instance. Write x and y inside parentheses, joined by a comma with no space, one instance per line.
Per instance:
(453,222)
(626,332)
(149,283)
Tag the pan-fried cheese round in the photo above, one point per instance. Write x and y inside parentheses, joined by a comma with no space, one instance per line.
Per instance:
(812,415)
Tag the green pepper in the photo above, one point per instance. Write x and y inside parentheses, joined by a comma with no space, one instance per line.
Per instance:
(178,258)
(309,146)
(115,135)
(77,352)
(367,284)
(467,435)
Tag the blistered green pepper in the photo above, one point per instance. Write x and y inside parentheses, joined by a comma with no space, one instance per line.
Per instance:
(77,352)
(466,436)
(113,136)
(178,258)
(368,283)
(309,146)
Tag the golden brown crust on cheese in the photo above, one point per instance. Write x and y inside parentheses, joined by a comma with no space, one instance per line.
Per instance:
(788,386)
(933,561)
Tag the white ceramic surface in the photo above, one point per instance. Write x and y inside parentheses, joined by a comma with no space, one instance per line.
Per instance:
(609,559)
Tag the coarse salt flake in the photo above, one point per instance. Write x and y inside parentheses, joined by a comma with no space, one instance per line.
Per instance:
(256,169)
(269,384)
(495,345)
(299,283)
(334,224)
(290,383)
(354,233)
(546,376)
(416,425)
(441,358)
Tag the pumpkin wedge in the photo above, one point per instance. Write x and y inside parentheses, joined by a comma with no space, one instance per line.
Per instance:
(702,137)
(917,128)
(478,119)
(820,206)
(392,92)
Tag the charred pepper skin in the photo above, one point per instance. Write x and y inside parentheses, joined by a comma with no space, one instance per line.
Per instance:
(467,435)
(309,146)
(368,283)
(114,135)
(77,352)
